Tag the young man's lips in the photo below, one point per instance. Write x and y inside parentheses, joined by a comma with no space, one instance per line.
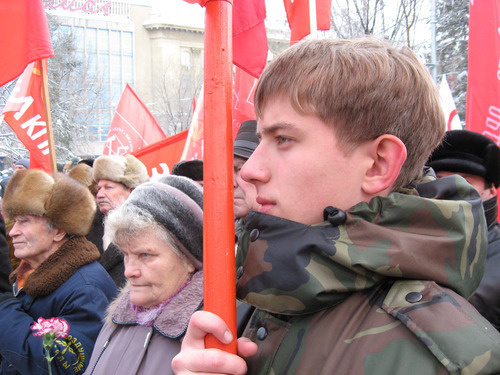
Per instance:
(265,205)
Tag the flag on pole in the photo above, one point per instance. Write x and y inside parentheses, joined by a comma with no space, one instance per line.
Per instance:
(449,108)
(299,17)
(483,80)
(243,99)
(25,114)
(193,149)
(24,36)
(249,36)
(160,157)
(132,127)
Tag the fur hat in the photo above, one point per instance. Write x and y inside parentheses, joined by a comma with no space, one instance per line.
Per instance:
(125,169)
(463,151)
(246,140)
(176,203)
(189,168)
(66,203)
(83,174)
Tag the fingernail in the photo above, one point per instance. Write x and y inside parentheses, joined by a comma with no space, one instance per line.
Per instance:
(228,337)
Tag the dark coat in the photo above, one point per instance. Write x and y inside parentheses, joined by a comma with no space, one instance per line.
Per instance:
(112,261)
(125,347)
(69,284)
(5,265)
(487,297)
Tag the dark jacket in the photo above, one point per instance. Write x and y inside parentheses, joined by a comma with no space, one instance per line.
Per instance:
(125,347)
(69,284)
(112,261)
(378,289)
(487,297)
(5,265)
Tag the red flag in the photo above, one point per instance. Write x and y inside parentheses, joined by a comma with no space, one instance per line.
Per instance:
(483,80)
(243,99)
(482,113)
(297,14)
(25,114)
(193,148)
(249,36)
(160,157)
(133,126)
(24,36)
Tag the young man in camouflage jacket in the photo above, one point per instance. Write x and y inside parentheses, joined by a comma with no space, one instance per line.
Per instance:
(356,262)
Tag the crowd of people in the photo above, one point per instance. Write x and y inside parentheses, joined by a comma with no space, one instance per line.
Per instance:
(367,239)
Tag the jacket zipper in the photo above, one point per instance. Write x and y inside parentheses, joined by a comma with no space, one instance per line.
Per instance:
(100,354)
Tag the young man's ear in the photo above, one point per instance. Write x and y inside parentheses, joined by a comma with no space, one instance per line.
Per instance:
(388,154)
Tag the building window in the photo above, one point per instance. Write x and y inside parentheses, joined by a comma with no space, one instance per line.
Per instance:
(186,58)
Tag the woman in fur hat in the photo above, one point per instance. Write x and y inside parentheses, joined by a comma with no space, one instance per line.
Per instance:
(58,276)
(159,230)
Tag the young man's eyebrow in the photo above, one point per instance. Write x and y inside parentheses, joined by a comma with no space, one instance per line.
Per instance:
(274,128)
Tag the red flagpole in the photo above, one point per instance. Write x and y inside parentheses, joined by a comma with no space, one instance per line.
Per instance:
(218,222)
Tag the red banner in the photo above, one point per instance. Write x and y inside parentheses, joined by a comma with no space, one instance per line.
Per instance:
(160,157)
(133,126)
(483,81)
(25,114)
(243,99)
(249,36)
(193,148)
(297,13)
(24,36)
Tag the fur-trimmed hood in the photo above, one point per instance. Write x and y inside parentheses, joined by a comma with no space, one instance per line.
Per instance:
(125,169)
(66,203)
(57,268)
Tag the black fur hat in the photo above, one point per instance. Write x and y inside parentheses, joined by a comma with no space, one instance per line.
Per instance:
(468,152)
(189,168)
(246,140)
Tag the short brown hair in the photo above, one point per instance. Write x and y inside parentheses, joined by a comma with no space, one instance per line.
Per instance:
(363,88)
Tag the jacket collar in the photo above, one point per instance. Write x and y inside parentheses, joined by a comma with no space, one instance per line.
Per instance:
(433,231)
(174,319)
(58,267)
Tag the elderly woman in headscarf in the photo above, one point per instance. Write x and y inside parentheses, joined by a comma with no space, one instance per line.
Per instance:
(159,230)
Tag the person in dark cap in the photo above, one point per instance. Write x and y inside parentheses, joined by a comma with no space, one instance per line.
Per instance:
(22,164)
(245,193)
(477,159)
(192,169)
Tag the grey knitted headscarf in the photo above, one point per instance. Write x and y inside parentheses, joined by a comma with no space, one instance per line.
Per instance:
(176,203)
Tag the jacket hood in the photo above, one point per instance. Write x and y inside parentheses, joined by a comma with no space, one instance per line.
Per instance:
(434,231)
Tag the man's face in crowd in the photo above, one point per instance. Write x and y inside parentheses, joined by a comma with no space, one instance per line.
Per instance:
(477,182)
(111,194)
(244,192)
(299,168)
(19,167)
(32,238)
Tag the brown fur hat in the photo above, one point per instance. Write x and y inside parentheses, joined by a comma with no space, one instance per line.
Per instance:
(120,168)
(66,203)
(83,174)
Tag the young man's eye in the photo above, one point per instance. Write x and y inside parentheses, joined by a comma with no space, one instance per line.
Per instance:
(281,139)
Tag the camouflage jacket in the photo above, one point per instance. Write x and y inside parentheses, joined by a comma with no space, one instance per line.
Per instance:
(378,289)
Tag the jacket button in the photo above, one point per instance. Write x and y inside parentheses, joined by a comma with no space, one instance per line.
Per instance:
(413,297)
(254,235)
(239,272)
(261,333)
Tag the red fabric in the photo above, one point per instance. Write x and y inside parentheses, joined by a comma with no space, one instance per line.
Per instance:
(483,81)
(243,99)
(249,36)
(24,36)
(193,149)
(133,126)
(297,13)
(25,114)
(161,156)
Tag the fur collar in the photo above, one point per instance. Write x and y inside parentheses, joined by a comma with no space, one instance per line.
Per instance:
(59,267)
(173,320)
